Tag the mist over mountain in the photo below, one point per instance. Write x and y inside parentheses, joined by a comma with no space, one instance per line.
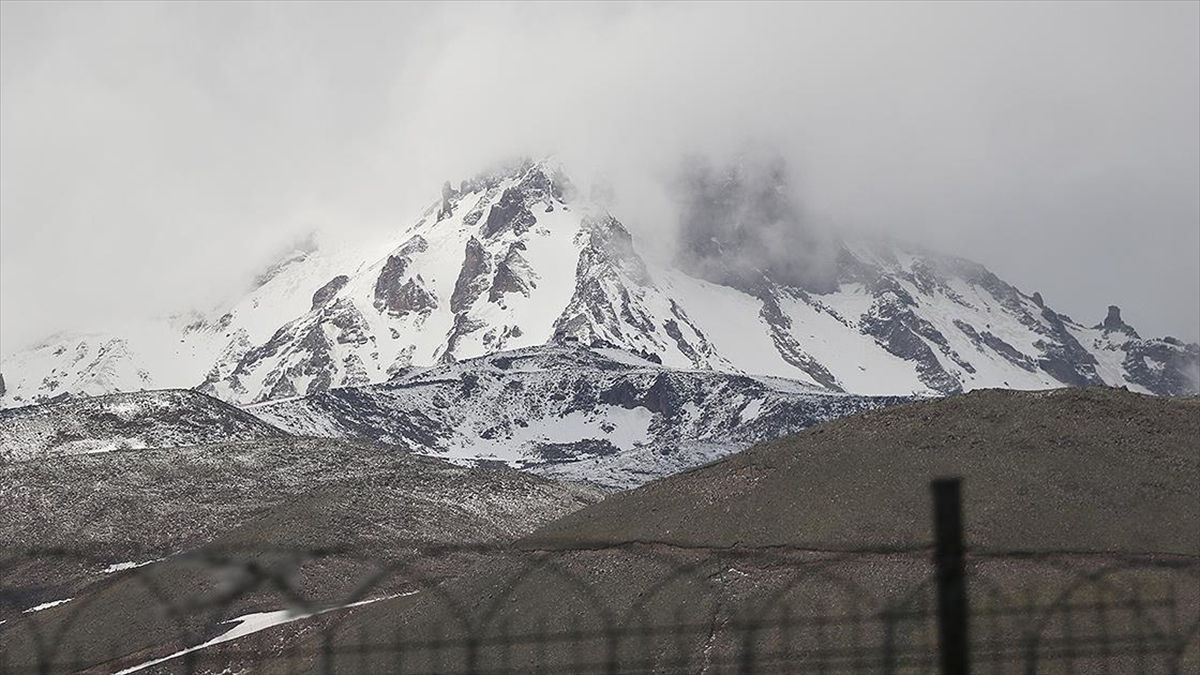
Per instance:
(520,256)
(1052,163)
(739,223)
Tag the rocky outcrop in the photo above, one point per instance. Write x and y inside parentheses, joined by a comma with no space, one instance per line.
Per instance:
(788,346)
(1165,366)
(513,275)
(1114,324)
(412,297)
(481,205)
(309,374)
(463,325)
(325,293)
(997,345)
(514,212)
(599,307)
(614,296)
(394,291)
(302,357)
(352,327)
(892,322)
(473,276)
(1063,357)
(510,214)
(449,196)
(224,370)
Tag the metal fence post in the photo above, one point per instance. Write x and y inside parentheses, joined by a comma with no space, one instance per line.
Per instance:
(951,577)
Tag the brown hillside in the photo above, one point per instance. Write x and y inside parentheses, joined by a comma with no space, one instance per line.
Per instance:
(1096,470)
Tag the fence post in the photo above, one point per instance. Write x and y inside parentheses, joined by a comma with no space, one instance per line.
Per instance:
(951,577)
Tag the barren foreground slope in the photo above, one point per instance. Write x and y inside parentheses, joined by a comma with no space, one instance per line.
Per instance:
(811,552)
(1087,469)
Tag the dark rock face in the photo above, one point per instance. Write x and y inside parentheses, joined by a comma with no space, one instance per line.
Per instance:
(609,303)
(353,371)
(472,276)
(306,354)
(681,342)
(513,212)
(481,205)
(463,325)
(1007,351)
(611,243)
(605,258)
(789,348)
(510,214)
(661,395)
(892,322)
(565,452)
(2,388)
(1113,323)
(317,364)
(1164,367)
(536,186)
(1064,358)
(449,199)
(412,297)
(352,327)
(325,293)
(513,274)
(395,293)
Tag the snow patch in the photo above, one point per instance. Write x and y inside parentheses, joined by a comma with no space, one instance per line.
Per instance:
(252,623)
(47,605)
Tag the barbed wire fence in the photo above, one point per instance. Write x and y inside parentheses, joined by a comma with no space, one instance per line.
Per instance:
(600,607)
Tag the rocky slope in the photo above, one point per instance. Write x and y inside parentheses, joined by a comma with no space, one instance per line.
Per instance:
(600,414)
(801,553)
(1083,469)
(151,419)
(519,257)
(157,549)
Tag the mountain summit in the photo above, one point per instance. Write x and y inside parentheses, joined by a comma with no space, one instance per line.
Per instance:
(520,257)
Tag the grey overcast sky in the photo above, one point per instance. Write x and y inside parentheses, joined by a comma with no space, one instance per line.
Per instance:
(152,155)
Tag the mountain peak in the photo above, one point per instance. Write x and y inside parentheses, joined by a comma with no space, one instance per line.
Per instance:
(517,256)
(1113,322)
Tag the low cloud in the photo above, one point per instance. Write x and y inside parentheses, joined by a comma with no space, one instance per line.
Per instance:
(741,220)
(153,156)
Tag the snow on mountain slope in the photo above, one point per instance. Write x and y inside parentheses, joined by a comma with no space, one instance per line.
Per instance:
(489,268)
(152,419)
(518,257)
(598,414)
(139,355)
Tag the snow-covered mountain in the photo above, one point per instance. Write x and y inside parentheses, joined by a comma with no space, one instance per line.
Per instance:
(600,415)
(520,257)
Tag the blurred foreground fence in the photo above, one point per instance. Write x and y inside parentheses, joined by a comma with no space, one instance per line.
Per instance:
(567,607)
